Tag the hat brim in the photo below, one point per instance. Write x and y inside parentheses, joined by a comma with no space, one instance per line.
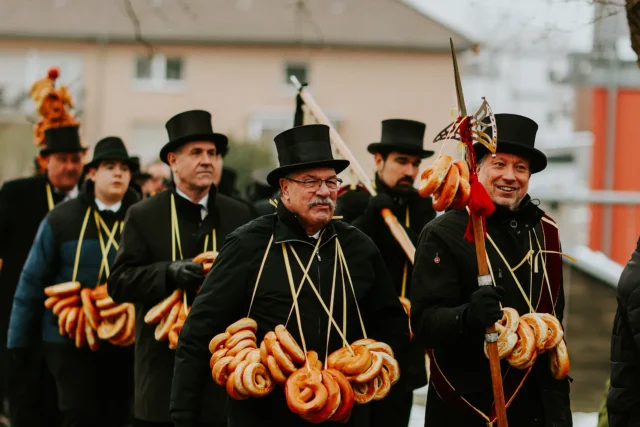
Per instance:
(376,147)
(537,159)
(133,165)
(273,178)
(221,141)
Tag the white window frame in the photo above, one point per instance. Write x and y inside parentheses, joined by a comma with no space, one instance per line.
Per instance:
(158,81)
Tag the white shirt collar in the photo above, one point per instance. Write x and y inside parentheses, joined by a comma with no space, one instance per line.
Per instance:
(315,236)
(203,202)
(102,207)
(70,195)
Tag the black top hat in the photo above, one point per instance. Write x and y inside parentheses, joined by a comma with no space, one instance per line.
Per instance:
(112,148)
(63,139)
(516,135)
(403,136)
(189,126)
(304,147)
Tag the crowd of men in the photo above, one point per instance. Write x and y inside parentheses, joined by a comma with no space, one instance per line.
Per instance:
(107,222)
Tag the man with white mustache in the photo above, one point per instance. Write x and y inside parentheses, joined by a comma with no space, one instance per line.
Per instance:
(451,312)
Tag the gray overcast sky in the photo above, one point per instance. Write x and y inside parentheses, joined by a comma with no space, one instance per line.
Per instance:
(538,24)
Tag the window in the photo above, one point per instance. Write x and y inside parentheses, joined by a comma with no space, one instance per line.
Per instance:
(159,72)
(298,70)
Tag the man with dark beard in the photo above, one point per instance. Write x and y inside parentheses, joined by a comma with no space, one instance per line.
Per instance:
(397,157)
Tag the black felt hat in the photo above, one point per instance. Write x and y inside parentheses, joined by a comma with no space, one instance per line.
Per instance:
(516,135)
(403,136)
(304,147)
(189,126)
(62,139)
(112,148)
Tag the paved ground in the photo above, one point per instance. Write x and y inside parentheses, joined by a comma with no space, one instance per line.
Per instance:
(580,419)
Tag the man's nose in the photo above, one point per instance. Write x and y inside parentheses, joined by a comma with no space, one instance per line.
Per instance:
(323,191)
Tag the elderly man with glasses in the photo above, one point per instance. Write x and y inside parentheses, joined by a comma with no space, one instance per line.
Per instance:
(261,265)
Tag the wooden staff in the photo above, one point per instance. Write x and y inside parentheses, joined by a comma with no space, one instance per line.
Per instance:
(390,219)
(484,278)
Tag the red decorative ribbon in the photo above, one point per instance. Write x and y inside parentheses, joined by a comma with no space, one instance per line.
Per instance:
(480,204)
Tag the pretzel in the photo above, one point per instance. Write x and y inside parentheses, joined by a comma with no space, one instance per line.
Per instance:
(51,301)
(65,302)
(559,361)
(540,330)
(256,380)
(108,330)
(81,335)
(239,336)
(332,404)
(284,361)
(71,321)
(205,256)
(92,340)
(92,316)
(554,332)
(445,194)
(380,347)
(343,412)
(289,344)
(350,364)
(163,328)
(448,182)
(245,323)
(240,357)
(105,303)
(232,391)
(62,320)
(237,378)
(364,392)
(63,290)
(432,177)
(220,372)
(525,348)
(113,311)
(303,379)
(100,292)
(313,361)
(216,356)
(392,366)
(127,334)
(218,341)
(160,310)
(507,327)
(275,371)
(373,371)
(242,345)
(383,385)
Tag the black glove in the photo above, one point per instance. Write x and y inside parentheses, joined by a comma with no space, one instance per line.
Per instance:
(377,203)
(484,307)
(185,274)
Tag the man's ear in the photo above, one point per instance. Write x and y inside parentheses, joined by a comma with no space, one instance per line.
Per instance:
(284,188)
(91,174)
(379,161)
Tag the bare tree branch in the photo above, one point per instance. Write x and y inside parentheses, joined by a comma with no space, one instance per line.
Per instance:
(136,27)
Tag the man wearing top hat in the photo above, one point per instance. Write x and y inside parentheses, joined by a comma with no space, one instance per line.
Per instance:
(74,243)
(151,263)
(451,312)
(397,158)
(24,203)
(302,225)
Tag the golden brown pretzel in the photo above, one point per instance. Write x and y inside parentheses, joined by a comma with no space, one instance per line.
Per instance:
(364,392)
(100,292)
(243,324)
(350,364)
(92,339)
(343,412)
(216,356)
(559,361)
(382,384)
(525,349)
(392,367)
(289,345)
(445,194)
(373,371)
(220,371)
(239,336)
(113,311)
(62,320)
(108,330)
(461,200)
(105,303)
(275,371)
(364,341)
(63,290)
(237,377)
(81,335)
(333,401)
(240,357)
(300,380)
(463,168)
(163,328)
(232,391)
(218,341)
(51,301)
(256,380)
(160,310)
(205,256)
(71,321)
(433,177)
(381,348)
(540,329)
(92,316)
(284,361)
(65,302)
(241,345)
(555,333)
